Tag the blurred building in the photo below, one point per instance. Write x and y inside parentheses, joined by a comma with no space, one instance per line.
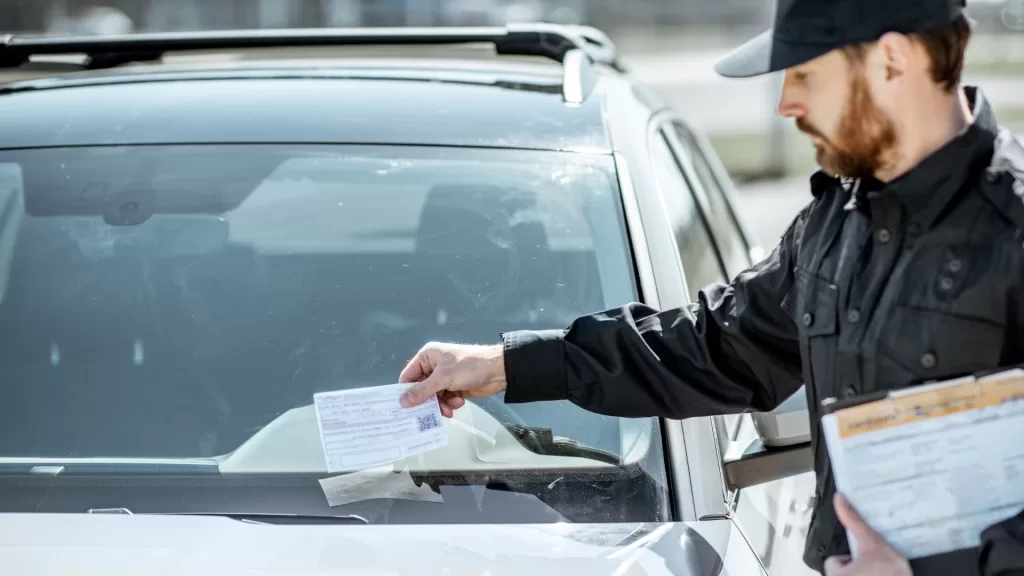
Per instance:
(39,15)
(739,17)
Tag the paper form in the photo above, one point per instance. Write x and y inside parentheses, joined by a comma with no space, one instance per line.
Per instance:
(367,427)
(930,468)
(383,482)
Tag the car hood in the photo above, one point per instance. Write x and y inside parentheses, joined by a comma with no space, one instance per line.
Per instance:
(38,544)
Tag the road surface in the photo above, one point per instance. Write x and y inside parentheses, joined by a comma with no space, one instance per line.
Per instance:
(769,207)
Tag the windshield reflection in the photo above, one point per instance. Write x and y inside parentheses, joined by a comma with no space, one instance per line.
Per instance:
(171,302)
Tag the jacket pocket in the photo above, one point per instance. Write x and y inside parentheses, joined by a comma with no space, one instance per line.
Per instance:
(817,304)
(919,344)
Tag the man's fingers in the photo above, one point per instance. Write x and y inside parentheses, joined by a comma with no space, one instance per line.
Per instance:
(450,402)
(867,539)
(413,371)
(452,398)
(834,565)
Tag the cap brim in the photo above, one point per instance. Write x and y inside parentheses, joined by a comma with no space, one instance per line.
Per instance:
(764,54)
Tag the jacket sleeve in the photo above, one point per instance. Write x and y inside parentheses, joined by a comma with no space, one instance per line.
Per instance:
(1002,548)
(736,349)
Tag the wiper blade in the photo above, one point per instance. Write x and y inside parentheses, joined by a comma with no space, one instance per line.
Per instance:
(69,466)
(542,441)
(253,518)
(283,519)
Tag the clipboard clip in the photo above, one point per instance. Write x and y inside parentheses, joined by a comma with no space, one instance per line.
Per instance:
(832,404)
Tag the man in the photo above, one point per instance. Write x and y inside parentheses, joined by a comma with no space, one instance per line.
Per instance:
(907,265)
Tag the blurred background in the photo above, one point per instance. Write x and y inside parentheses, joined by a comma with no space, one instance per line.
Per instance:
(670,44)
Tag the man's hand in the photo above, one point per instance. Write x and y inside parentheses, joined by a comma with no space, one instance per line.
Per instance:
(874,557)
(453,372)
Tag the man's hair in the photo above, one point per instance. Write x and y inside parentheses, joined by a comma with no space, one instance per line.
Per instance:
(946,48)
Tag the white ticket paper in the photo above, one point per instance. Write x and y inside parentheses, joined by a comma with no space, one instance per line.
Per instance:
(931,467)
(383,482)
(367,427)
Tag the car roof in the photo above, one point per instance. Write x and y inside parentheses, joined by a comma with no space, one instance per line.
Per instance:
(500,103)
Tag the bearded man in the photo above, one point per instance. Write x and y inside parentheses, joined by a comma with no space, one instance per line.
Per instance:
(907,266)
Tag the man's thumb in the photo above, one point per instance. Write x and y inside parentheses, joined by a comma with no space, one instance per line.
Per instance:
(867,539)
(419,393)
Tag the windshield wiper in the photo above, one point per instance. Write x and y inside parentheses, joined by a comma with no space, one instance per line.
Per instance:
(112,466)
(288,519)
(542,441)
(254,518)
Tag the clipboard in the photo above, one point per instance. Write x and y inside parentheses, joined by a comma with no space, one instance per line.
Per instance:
(832,405)
(924,464)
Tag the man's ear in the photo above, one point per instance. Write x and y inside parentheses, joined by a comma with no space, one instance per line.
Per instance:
(895,56)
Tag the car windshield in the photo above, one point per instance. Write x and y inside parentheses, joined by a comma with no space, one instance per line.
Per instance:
(171,311)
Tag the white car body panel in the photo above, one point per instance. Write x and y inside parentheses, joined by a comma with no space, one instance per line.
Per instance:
(109,545)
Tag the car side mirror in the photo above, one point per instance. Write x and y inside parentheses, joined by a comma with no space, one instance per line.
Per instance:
(782,449)
(787,425)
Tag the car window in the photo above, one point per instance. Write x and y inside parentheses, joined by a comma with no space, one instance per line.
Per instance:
(734,249)
(186,302)
(693,239)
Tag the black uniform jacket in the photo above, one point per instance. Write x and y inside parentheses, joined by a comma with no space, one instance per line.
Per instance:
(872,287)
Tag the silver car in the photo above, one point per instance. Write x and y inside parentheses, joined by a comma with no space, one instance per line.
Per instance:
(198,232)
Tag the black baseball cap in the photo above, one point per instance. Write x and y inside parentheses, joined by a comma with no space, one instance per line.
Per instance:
(807,29)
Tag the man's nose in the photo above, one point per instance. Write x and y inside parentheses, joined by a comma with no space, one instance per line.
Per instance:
(789,106)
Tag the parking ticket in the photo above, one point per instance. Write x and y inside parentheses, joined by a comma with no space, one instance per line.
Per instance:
(367,427)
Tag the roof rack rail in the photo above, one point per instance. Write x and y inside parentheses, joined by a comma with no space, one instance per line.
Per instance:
(545,40)
(577,48)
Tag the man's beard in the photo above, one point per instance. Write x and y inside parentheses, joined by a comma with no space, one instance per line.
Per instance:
(864,138)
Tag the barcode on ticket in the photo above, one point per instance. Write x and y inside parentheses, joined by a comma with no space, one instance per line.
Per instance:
(427,422)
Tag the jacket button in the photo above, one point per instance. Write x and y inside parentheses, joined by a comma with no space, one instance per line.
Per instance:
(808,319)
(928,361)
(853,316)
(849,392)
(883,235)
(946,284)
(955,266)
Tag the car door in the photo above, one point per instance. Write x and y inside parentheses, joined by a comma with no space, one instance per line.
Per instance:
(772,515)
(676,166)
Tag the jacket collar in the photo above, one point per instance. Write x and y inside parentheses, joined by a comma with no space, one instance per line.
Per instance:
(929,187)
